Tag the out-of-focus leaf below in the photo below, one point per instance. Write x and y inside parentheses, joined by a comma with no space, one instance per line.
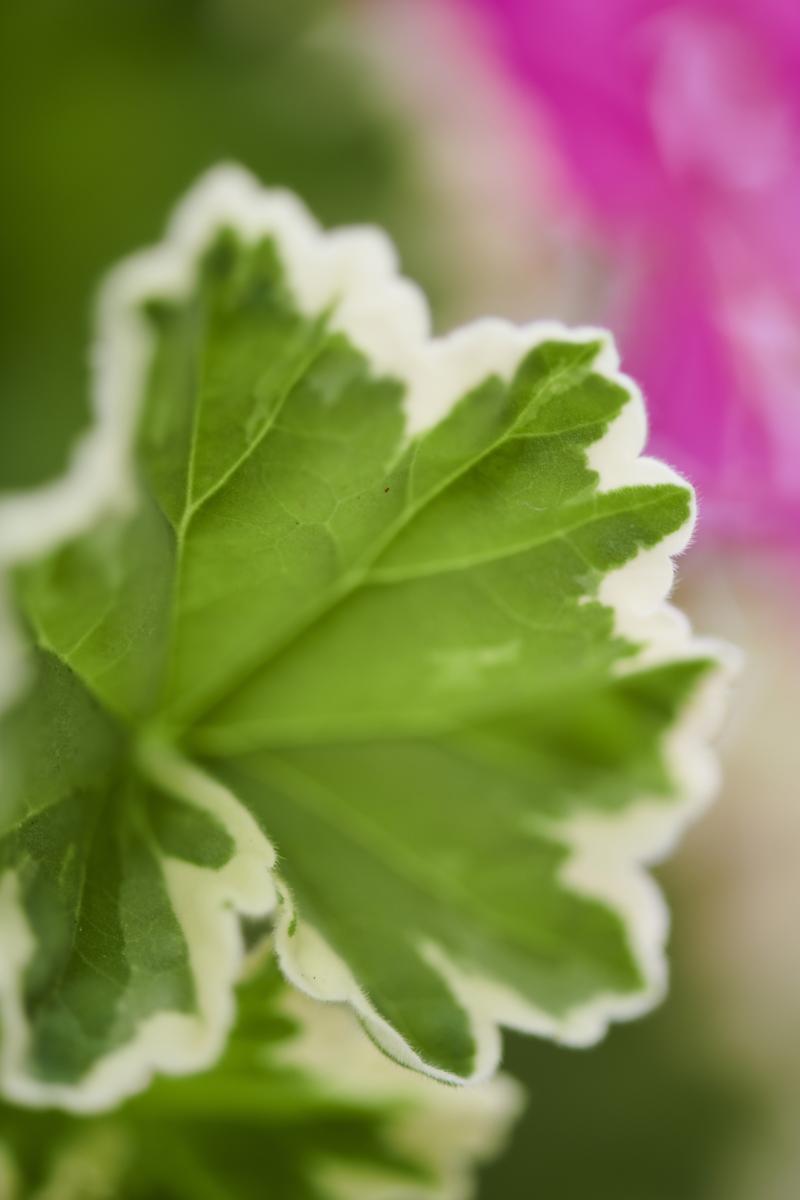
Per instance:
(301,1107)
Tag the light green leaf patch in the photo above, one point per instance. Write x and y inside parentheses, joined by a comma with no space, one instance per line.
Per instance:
(392,605)
(299,1103)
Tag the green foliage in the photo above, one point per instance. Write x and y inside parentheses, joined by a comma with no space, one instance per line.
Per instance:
(274,1113)
(114,109)
(395,606)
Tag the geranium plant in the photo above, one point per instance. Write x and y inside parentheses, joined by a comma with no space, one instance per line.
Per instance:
(351,645)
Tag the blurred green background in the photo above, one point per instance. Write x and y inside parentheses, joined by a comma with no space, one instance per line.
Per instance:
(111,108)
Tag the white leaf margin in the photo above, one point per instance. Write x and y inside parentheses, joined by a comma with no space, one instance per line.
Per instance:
(353,273)
(208,906)
(449,1131)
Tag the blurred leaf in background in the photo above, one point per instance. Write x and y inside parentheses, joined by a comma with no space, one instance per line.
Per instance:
(111,108)
(300,1107)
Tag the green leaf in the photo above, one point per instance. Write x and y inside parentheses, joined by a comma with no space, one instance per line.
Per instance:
(392,604)
(300,1101)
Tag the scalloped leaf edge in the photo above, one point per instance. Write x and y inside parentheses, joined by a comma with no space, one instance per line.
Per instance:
(449,1131)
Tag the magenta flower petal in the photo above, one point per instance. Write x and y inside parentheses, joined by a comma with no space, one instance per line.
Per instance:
(677,124)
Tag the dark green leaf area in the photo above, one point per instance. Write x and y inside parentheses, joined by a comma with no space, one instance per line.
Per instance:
(89,840)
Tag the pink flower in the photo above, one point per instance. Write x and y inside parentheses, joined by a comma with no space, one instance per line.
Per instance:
(677,124)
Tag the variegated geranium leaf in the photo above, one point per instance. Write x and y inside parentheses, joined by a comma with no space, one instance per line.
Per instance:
(336,617)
